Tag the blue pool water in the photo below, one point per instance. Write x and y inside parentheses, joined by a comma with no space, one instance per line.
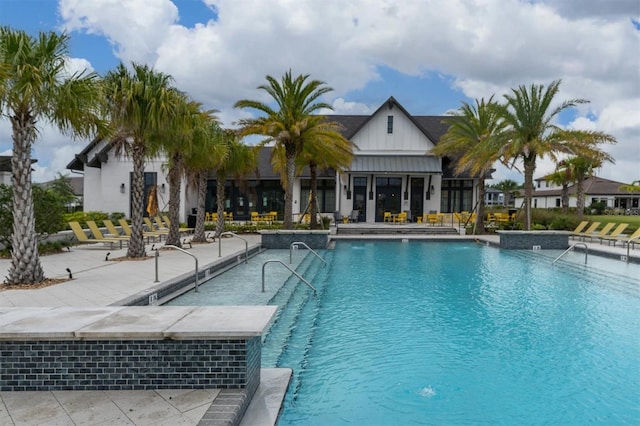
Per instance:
(448,333)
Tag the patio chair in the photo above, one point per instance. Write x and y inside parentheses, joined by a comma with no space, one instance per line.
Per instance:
(433,219)
(580,227)
(167,223)
(615,233)
(386,217)
(628,239)
(589,232)
(152,228)
(113,230)
(353,218)
(126,228)
(603,232)
(97,234)
(82,238)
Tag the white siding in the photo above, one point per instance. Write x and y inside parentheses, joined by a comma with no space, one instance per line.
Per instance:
(373,137)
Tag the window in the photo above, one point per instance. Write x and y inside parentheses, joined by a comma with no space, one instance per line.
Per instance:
(390,124)
(557,202)
(326,194)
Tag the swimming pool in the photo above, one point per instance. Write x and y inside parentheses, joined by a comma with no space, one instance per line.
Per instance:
(461,333)
(448,333)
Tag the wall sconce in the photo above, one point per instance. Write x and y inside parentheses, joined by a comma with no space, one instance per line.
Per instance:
(162,187)
(122,188)
(433,190)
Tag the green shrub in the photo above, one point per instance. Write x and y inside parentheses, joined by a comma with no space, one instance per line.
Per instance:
(564,223)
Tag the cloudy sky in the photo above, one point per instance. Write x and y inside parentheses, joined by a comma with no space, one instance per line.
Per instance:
(431,55)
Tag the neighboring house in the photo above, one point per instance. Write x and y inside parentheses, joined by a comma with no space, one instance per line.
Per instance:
(596,189)
(392,170)
(493,197)
(5,170)
(76,184)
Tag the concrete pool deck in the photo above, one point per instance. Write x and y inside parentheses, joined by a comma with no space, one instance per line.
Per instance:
(100,282)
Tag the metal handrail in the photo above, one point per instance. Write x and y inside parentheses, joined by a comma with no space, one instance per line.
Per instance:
(296,243)
(586,252)
(246,245)
(292,271)
(195,258)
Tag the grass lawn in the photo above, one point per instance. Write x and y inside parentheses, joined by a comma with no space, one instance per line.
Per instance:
(633,220)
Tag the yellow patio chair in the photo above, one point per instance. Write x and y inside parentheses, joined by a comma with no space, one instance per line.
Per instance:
(113,230)
(82,238)
(590,230)
(615,233)
(167,224)
(401,217)
(274,216)
(627,239)
(386,217)
(97,234)
(126,228)
(255,217)
(603,232)
(433,219)
(152,228)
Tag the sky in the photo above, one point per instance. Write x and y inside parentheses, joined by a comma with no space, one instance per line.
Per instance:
(431,55)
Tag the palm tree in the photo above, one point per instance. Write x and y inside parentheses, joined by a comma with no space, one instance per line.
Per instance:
(562,176)
(34,86)
(532,134)
(580,168)
(473,139)
(140,104)
(209,151)
(240,159)
(289,125)
(177,144)
(507,186)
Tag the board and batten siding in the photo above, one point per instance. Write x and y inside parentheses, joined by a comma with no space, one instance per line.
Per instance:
(373,137)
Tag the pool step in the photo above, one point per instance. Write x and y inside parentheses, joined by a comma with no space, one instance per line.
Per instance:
(291,298)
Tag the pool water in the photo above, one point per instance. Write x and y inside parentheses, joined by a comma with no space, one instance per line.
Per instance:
(459,333)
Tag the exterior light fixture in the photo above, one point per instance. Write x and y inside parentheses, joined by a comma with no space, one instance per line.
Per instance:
(122,188)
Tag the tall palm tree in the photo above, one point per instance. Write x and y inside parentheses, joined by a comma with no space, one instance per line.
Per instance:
(324,148)
(581,168)
(529,114)
(209,151)
(34,86)
(178,143)
(288,126)
(562,176)
(473,140)
(507,186)
(140,103)
(239,160)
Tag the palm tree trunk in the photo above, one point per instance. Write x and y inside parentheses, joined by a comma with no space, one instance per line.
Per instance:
(565,198)
(479,225)
(173,238)
(288,193)
(136,242)
(313,208)
(580,200)
(198,234)
(529,168)
(25,263)
(220,205)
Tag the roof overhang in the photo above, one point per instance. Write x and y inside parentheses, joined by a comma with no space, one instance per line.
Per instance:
(396,164)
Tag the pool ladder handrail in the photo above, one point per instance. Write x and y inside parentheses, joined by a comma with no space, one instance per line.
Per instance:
(295,245)
(185,252)
(246,245)
(289,268)
(586,252)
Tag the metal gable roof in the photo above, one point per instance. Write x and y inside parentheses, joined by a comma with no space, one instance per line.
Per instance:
(396,164)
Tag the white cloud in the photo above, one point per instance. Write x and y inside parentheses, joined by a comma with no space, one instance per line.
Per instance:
(484,47)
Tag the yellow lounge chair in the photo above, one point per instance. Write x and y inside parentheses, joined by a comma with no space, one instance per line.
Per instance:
(113,230)
(603,232)
(589,232)
(615,233)
(82,238)
(147,222)
(580,227)
(167,224)
(145,234)
(97,234)
(628,239)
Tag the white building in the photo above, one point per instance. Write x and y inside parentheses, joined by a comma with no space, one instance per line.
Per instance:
(392,170)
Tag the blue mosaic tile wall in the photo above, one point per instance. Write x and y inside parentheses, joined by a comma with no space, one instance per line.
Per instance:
(130,364)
